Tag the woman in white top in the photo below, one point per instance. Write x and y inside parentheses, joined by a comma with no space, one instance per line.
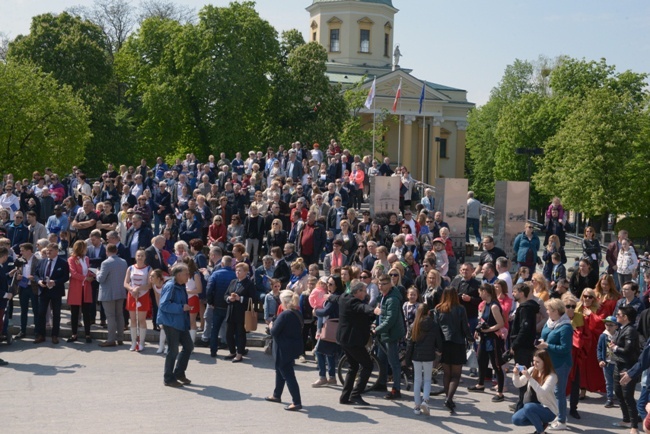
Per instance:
(540,406)
(193,287)
(626,262)
(138,302)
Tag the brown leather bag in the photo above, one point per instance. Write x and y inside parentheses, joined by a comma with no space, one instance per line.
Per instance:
(250,317)
(329,329)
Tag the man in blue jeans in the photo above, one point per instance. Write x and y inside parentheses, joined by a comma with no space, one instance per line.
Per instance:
(215,293)
(390,330)
(174,316)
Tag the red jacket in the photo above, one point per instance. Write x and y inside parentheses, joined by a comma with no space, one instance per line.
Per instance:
(79,286)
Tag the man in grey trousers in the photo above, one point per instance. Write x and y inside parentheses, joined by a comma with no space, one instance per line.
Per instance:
(112,294)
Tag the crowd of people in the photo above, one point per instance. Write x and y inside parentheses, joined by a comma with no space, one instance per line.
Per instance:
(197,247)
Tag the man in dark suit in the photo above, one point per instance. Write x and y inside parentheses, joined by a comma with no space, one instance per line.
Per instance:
(153,254)
(112,237)
(153,258)
(25,285)
(53,273)
(353,333)
(97,254)
(138,237)
(162,205)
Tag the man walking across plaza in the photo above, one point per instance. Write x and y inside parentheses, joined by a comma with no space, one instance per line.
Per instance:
(473,218)
(174,316)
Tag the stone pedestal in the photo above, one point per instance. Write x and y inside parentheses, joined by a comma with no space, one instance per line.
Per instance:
(510,212)
(451,200)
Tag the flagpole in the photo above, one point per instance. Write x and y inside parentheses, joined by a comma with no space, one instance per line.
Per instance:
(374,126)
(424,127)
(399,132)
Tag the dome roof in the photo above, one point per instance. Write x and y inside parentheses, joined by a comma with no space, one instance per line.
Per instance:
(380,2)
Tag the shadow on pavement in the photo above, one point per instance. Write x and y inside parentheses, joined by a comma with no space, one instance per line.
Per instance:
(38,369)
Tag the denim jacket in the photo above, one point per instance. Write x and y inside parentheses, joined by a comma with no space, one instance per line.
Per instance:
(172,299)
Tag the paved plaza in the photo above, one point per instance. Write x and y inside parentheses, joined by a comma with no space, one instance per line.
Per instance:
(82,388)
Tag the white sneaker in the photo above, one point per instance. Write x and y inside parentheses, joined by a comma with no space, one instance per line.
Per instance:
(416,410)
(557,426)
(424,408)
(301,359)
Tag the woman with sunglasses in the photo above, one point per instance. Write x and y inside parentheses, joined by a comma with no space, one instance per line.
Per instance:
(591,249)
(348,238)
(578,352)
(592,378)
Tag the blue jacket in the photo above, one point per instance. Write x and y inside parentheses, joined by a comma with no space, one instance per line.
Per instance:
(217,285)
(523,244)
(17,234)
(560,342)
(287,337)
(601,350)
(170,311)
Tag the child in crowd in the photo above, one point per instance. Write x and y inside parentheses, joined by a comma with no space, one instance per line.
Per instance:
(442,260)
(556,203)
(559,271)
(410,307)
(523,274)
(604,354)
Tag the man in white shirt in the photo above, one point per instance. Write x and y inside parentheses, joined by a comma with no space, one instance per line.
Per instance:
(504,273)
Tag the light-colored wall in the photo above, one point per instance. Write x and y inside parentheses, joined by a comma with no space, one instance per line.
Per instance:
(350,13)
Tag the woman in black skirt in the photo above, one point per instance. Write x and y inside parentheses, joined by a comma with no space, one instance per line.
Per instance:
(452,319)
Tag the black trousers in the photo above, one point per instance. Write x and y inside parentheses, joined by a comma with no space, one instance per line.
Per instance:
(357,356)
(625,395)
(86,309)
(236,336)
(45,299)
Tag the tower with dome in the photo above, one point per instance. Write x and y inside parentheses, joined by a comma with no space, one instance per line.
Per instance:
(360,38)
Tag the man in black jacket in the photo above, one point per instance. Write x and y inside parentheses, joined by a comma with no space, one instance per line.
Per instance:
(625,349)
(523,333)
(353,333)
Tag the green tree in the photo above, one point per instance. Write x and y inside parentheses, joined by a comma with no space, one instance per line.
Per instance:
(43,123)
(76,53)
(358,132)
(590,158)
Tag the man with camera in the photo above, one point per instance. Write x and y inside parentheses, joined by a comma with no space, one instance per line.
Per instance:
(523,333)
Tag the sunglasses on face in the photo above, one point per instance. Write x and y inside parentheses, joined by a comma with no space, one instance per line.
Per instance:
(588,297)
(394,275)
(570,306)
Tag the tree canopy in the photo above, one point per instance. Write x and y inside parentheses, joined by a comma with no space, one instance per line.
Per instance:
(41,121)
(591,122)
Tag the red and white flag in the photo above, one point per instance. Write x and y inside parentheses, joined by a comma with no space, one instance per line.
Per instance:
(398,95)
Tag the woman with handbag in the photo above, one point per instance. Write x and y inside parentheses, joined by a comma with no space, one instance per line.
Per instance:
(540,406)
(491,347)
(239,292)
(327,350)
(451,316)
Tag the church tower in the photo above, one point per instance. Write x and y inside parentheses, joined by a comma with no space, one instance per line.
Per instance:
(355,33)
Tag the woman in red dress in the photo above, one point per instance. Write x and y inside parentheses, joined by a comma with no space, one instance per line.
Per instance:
(592,378)
(607,295)
(137,284)
(80,292)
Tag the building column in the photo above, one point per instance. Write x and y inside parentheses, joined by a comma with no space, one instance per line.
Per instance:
(407,142)
(461,133)
(434,161)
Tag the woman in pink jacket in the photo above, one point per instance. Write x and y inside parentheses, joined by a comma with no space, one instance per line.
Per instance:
(80,293)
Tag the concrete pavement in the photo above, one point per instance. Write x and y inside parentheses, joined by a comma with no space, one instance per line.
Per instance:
(82,388)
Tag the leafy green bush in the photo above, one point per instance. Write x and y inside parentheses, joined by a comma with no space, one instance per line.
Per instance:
(637,227)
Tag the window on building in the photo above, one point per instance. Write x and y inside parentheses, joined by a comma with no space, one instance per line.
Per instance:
(313,36)
(386,45)
(365,41)
(335,42)
(443,148)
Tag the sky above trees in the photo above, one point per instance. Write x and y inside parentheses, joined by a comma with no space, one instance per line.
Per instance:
(474,40)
